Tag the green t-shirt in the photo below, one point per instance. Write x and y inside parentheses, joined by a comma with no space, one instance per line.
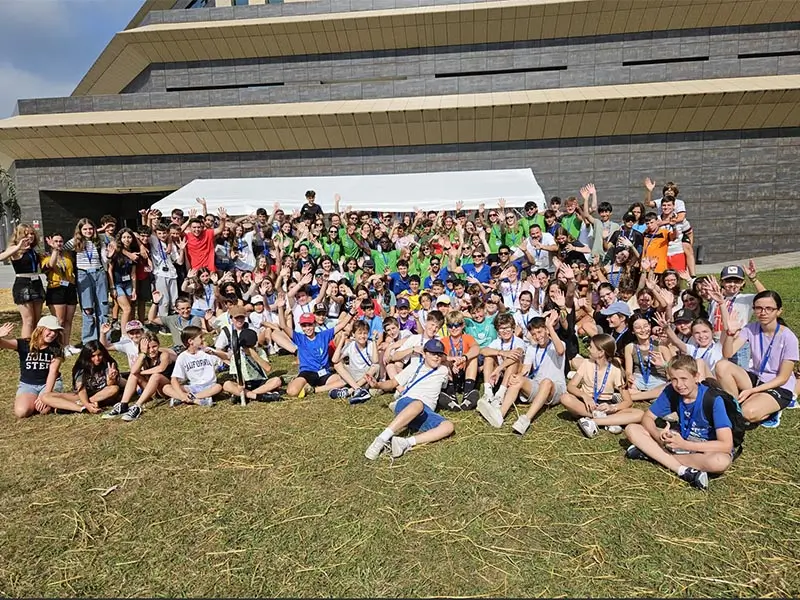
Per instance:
(572,223)
(483,332)
(512,238)
(385,262)
(349,246)
(528,222)
(332,249)
(495,239)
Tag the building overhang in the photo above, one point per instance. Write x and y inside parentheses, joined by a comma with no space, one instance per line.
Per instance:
(133,50)
(648,108)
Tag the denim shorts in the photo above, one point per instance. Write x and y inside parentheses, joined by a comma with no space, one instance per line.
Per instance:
(653,382)
(124,288)
(426,420)
(36,390)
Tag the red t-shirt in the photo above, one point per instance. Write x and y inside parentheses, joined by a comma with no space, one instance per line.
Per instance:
(201,250)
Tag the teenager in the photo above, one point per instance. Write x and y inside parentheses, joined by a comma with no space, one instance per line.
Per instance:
(250,371)
(62,293)
(361,353)
(462,353)
(90,260)
(27,290)
(95,382)
(501,360)
(645,361)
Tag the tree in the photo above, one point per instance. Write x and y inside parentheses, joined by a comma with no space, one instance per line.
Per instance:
(8,197)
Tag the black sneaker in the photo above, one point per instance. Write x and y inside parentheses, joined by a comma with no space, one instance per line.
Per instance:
(115,412)
(134,412)
(470,400)
(339,393)
(269,397)
(635,454)
(361,395)
(697,479)
(449,402)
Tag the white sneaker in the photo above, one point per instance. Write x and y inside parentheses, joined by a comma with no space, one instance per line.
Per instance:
(71,351)
(400,446)
(491,412)
(375,449)
(521,425)
(596,414)
(588,427)
(570,375)
(615,429)
(392,404)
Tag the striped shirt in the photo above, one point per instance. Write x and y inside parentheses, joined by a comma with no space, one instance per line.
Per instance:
(91,257)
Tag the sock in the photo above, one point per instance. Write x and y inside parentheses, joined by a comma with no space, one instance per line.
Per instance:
(386,435)
(681,470)
(123,406)
(469,385)
(487,389)
(412,441)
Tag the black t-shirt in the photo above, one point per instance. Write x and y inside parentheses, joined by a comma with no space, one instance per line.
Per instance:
(310,210)
(34,365)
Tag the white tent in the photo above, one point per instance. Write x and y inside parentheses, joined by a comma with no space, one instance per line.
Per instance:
(395,193)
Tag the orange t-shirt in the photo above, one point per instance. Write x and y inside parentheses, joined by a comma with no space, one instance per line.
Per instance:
(458,346)
(655,247)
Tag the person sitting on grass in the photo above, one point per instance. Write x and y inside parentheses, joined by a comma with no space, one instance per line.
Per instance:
(393,337)
(95,381)
(697,448)
(645,361)
(150,372)
(597,394)
(502,359)
(362,355)
(197,369)
(176,323)
(462,360)
(542,379)
(253,364)
(768,385)
(417,392)
(40,359)
(701,344)
(415,344)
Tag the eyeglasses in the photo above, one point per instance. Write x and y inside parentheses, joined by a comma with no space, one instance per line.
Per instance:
(492,215)
(765,309)
(477,256)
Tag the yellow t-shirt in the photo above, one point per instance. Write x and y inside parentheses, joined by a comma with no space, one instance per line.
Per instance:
(63,273)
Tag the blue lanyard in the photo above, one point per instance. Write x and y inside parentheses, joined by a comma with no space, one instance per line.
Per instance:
(208,292)
(89,255)
(514,295)
(385,259)
(34,262)
(163,251)
(364,358)
(697,349)
(611,276)
(417,380)
(595,390)
(510,346)
(765,357)
(645,369)
(537,361)
(453,347)
(618,336)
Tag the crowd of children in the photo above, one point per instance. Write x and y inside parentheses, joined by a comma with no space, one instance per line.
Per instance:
(451,310)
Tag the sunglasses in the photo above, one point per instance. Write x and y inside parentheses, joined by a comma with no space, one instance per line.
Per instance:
(492,215)
(503,253)
(455,325)
(477,256)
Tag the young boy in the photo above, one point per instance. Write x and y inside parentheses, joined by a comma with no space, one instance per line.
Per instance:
(362,355)
(373,321)
(697,448)
(462,362)
(418,387)
(176,323)
(541,381)
(255,382)
(405,320)
(502,359)
(479,326)
(412,294)
(197,368)
(414,344)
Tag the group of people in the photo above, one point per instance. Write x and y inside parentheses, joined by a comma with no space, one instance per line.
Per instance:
(451,311)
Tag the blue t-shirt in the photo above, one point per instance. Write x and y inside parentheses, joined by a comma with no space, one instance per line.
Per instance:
(375,325)
(313,354)
(691,417)
(483,275)
(443,274)
(399,284)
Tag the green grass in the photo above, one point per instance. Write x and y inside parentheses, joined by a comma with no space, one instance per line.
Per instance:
(278,500)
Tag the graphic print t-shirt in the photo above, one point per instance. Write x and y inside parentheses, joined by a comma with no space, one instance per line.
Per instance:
(198,368)
(34,365)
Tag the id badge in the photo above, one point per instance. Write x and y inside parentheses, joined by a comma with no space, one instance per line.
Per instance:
(126,278)
(322,372)
(63,283)
(165,269)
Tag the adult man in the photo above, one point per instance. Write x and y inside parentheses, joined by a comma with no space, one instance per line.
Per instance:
(537,249)
(532,217)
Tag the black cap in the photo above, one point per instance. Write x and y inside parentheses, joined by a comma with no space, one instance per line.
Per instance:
(684,315)
(248,338)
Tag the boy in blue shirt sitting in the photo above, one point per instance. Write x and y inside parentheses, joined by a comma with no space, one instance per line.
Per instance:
(696,448)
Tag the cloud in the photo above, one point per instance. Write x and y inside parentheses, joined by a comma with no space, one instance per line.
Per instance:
(18,83)
(52,15)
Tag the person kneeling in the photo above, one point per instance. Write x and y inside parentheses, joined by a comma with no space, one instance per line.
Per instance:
(418,387)
(702,445)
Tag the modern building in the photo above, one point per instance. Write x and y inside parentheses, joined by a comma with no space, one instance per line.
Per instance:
(702,92)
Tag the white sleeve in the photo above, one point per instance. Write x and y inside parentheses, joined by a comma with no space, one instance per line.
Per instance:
(178,370)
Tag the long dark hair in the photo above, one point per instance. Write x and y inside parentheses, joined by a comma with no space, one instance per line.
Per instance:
(120,260)
(84,367)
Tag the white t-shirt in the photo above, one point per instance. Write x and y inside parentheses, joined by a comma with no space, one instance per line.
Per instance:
(158,252)
(547,363)
(265,316)
(198,368)
(510,292)
(742,307)
(675,246)
(680,205)
(128,348)
(499,344)
(413,340)
(298,310)
(522,319)
(360,358)
(427,389)
(245,259)
(542,259)
(711,355)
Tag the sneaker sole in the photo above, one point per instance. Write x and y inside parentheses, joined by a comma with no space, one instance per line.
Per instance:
(519,430)
(585,433)
(485,412)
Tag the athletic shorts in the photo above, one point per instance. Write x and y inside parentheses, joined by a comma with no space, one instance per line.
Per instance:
(559,389)
(426,420)
(781,395)
(62,295)
(313,378)
(677,262)
(27,290)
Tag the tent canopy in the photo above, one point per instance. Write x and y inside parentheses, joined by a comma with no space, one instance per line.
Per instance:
(391,193)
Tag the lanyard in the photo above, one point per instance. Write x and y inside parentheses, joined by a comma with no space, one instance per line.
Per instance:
(34,262)
(611,276)
(619,335)
(703,357)
(538,361)
(510,347)
(453,347)
(416,379)
(421,359)
(514,293)
(595,390)
(163,251)
(526,318)
(180,323)
(765,357)
(366,359)
(385,260)
(645,369)
(89,254)
(329,249)
(208,292)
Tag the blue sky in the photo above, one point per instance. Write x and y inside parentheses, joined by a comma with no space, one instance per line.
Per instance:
(46,46)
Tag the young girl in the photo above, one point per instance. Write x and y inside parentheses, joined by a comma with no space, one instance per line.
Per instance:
(92,281)
(62,295)
(701,345)
(199,284)
(122,272)
(27,291)
(768,385)
(40,359)
(149,373)
(597,394)
(645,361)
(95,381)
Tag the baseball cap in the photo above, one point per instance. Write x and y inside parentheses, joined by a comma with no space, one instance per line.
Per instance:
(368,263)
(335,276)
(248,338)
(237,311)
(628,217)
(617,308)
(443,299)
(403,303)
(133,325)
(683,315)
(319,272)
(50,322)
(307,319)
(732,272)
(434,347)
(257,299)
(321,309)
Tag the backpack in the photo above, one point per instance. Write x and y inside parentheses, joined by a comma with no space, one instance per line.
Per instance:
(732,409)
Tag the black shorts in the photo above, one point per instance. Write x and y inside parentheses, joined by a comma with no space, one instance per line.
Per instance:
(313,378)
(781,395)
(254,384)
(27,290)
(144,289)
(63,295)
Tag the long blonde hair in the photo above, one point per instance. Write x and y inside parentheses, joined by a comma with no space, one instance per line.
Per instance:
(37,341)
(22,231)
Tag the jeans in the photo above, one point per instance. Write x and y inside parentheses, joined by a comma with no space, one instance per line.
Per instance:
(93,294)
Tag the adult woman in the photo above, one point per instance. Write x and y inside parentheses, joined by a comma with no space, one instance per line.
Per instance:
(95,381)
(92,281)
(62,294)
(122,272)
(28,292)
(767,387)
(40,359)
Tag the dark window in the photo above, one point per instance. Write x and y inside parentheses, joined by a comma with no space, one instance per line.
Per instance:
(198,4)
(240,2)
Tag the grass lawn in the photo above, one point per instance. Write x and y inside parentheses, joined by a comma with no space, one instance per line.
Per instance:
(279,500)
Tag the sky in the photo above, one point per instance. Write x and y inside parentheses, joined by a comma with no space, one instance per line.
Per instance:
(46,46)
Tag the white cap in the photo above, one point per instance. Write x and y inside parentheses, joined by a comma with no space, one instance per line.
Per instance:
(49,322)
(256,299)
(443,299)
(335,276)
